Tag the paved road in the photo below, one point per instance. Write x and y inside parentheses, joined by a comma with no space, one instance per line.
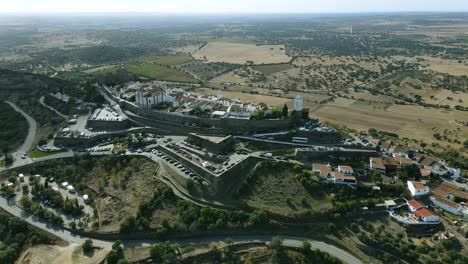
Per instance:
(74,238)
(28,142)
(41,101)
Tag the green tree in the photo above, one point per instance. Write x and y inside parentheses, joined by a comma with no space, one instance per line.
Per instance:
(87,246)
(285,110)
(128,224)
(163,253)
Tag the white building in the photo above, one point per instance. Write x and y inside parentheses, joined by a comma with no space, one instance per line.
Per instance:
(426,215)
(150,97)
(417,188)
(238,111)
(414,205)
(298,103)
(449,206)
(347,170)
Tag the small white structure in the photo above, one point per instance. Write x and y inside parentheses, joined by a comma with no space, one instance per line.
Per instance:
(86,198)
(417,188)
(347,170)
(298,103)
(218,114)
(64,185)
(206,164)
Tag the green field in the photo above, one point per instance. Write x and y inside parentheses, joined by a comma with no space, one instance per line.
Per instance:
(107,70)
(159,72)
(167,60)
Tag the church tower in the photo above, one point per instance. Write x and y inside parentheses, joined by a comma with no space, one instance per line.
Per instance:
(298,103)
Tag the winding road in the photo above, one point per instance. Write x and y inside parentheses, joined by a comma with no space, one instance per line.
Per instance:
(66,235)
(29,140)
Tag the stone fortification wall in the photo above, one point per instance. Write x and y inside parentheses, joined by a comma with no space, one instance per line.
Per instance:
(194,123)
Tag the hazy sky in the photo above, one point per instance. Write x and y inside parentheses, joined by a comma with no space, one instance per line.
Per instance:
(230,6)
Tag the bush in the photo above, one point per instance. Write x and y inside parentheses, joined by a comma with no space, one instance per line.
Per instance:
(87,246)
(128,225)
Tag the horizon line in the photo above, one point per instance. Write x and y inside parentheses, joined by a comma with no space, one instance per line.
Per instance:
(228,13)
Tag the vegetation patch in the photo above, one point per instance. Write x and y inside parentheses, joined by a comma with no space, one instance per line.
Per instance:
(13,130)
(274,187)
(166,60)
(159,72)
(36,153)
(273,68)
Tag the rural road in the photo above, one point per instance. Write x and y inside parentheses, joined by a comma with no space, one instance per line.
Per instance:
(74,238)
(29,140)
(41,101)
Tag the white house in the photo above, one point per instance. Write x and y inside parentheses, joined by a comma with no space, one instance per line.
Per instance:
(340,178)
(426,215)
(448,205)
(417,188)
(414,205)
(347,170)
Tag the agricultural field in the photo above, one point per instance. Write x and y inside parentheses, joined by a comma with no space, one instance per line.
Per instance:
(238,53)
(410,121)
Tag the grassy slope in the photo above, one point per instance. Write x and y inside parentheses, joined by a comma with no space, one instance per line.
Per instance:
(276,190)
(159,72)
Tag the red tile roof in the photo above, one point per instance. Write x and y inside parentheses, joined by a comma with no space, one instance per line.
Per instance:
(447,188)
(419,186)
(415,204)
(424,212)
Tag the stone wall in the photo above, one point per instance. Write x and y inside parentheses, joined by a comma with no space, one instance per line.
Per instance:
(194,123)
(221,147)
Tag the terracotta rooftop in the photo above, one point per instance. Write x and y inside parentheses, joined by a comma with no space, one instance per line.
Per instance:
(424,212)
(447,188)
(323,168)
(419,186)
(403,161)
(377,163)
(425,172)
(446,201)
(345,167)
(339,175)
(415,204)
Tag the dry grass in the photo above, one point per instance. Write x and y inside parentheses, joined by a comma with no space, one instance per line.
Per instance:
(414,122)
(242,53)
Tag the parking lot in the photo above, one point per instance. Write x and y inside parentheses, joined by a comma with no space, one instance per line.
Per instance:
(66,193)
